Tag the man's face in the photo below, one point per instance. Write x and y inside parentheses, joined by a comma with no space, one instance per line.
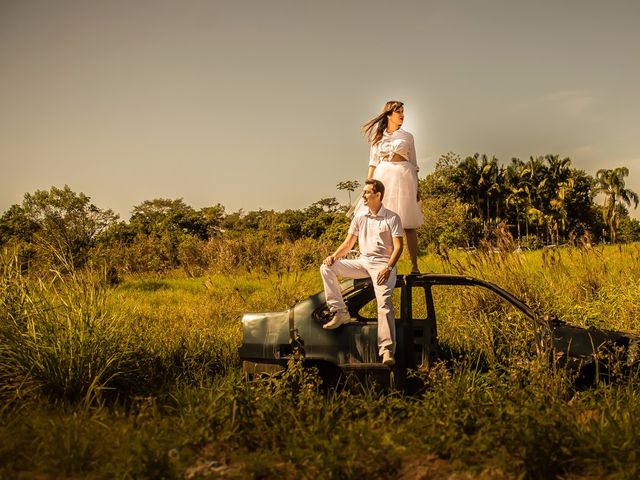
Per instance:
(370,198)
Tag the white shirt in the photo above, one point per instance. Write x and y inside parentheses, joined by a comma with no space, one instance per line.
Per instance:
(400,142)
(375,232)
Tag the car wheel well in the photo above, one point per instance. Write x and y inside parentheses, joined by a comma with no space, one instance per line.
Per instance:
(328,372)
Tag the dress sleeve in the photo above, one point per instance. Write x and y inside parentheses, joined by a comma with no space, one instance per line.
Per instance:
(405,147)
(374,158)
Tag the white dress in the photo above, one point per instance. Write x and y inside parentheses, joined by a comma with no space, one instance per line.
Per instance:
(400,179)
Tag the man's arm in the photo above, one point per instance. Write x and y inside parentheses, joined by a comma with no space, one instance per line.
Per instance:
(398,246)
(342,250)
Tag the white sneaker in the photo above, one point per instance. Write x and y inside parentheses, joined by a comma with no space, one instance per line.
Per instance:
(387,358)
(339,318)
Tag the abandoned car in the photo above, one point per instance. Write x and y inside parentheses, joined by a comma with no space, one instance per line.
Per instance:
(270,339)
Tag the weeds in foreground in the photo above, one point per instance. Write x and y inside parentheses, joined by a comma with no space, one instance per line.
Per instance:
(519,422)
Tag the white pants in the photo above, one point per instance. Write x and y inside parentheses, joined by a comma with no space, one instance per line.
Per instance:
(363,268)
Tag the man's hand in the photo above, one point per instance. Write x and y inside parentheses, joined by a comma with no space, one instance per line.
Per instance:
(342,250)
(383,275)
(329,260)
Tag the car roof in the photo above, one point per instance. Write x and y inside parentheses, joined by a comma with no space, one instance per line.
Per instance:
(425,279)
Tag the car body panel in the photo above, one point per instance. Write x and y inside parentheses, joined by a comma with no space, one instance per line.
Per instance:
(269,339)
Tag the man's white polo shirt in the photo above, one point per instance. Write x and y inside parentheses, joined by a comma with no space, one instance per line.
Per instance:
(375,232)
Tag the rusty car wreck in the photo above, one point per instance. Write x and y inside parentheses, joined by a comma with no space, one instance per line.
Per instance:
(270,339)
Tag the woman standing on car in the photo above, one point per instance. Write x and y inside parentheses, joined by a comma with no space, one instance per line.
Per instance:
(392,160)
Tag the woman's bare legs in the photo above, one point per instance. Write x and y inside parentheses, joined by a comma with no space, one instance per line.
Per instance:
(412,246)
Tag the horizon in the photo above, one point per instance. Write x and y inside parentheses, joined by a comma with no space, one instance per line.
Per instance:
(354,197)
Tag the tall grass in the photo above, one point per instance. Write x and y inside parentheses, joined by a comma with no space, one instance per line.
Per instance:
(593,286)
(71,339)
(58,338)
(143,380)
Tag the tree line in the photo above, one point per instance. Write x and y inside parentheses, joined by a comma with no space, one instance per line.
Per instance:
(465,200)
(540,201)
(62,228)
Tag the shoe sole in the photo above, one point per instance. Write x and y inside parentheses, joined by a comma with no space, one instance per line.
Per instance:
(326,326)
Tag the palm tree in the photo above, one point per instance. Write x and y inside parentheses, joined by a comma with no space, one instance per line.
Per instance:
(349,186)
(534,180)
(467,178)
(515,189)
(558,169)
(559,185)
(611,184)
(559,206)
(490,183)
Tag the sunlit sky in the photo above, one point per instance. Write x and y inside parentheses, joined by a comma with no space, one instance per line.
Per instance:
(258,104)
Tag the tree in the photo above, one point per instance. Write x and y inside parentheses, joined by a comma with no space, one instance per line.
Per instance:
(629,230)
(441,181)
(161,215)
(320,216)
(16,224)
(467,178)
(479,180)
(582,214)
(534,179)
(161,225)
(490,182)
(212,218)
(559,185)
(447,224)
(515,190)
(291,222)
(544,191)
(324,205)
(349,186)
(611,183)
(64,224)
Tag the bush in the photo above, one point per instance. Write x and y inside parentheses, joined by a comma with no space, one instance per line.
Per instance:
(447,224)
(629,230)
(256,253)
(191,256)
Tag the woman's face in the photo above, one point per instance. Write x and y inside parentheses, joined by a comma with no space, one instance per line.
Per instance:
(396,117)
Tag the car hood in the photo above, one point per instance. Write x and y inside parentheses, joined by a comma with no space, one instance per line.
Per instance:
(263,334)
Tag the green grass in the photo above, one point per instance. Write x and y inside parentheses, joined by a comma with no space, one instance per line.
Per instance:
(143,380)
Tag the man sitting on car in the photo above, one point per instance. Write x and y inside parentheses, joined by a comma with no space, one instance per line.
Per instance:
(379,234)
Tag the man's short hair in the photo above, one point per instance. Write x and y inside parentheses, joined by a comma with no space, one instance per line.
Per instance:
(378,186)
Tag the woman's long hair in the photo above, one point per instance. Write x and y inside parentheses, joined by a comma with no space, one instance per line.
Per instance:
(375,127)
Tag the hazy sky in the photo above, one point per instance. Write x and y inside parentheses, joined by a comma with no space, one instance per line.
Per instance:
(258,104)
